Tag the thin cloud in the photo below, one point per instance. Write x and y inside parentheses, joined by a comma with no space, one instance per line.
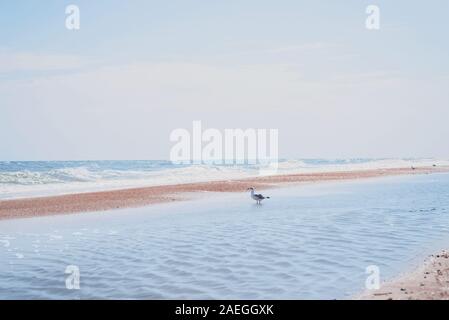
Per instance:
(303,48)
(29,62)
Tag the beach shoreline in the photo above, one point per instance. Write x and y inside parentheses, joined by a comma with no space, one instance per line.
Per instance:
(143,196)
(430,281)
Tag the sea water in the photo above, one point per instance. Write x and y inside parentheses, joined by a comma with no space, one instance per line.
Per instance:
(306,242)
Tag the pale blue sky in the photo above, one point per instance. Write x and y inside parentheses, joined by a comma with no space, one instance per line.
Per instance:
(139,69)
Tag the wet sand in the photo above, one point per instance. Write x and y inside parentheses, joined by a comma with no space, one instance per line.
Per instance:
(428,282)
(137,197)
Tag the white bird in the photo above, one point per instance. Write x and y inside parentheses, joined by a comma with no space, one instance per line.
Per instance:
(257,197)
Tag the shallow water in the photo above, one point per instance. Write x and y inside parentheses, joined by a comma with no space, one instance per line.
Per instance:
(306,242)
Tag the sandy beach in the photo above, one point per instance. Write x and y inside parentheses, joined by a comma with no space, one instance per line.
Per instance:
(137,197)
(428,282)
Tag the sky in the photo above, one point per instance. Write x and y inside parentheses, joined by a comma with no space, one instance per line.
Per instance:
(137,70)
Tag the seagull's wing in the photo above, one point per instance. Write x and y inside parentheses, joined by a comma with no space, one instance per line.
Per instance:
(259,196)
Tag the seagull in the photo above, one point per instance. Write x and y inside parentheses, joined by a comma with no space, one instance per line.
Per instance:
(257,197)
